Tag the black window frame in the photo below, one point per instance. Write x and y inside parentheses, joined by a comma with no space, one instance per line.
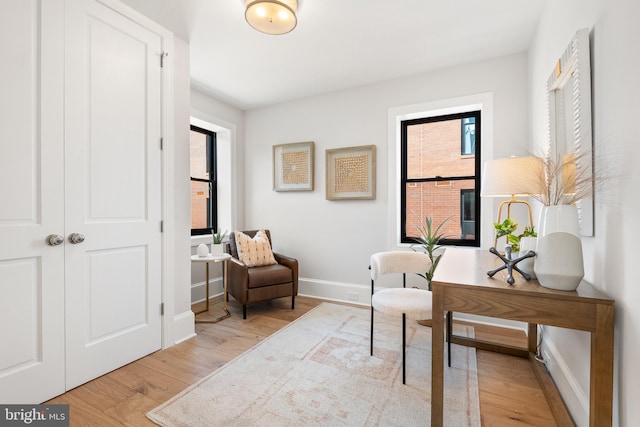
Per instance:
(404,181)
(212,159)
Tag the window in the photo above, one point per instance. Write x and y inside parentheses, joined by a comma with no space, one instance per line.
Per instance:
(440,176)
(204,204)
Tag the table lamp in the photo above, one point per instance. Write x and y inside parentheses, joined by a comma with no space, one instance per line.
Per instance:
(511,177)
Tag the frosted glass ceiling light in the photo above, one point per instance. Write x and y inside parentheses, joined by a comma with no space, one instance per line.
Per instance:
(272,16)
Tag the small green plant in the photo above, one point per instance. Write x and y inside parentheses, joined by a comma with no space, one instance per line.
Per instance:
(218,237)
(429,239)
(507,227)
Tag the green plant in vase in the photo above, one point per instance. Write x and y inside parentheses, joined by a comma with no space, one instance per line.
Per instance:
(507,227)
(219,237)
(430,237)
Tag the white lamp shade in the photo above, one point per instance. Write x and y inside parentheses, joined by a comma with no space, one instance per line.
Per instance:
(512,176)
(272,16)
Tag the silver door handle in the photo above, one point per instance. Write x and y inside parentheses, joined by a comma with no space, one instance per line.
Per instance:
(76,238)
(55,239)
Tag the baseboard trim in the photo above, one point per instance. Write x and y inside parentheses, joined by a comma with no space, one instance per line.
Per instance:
(575,398)
(352,293)
(359,294)
(198,289)
(183,327)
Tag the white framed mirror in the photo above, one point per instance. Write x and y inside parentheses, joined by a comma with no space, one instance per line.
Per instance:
(569,102)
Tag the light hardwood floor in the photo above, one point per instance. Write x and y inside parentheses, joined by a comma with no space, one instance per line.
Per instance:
(509,392)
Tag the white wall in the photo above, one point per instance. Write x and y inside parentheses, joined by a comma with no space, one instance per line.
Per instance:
(610,254)
(228,123)
(333,240)
(183,317)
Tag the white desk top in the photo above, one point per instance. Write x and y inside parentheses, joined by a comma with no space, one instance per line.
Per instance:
(210,258)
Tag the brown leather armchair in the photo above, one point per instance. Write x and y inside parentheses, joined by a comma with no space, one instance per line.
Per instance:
(253,284)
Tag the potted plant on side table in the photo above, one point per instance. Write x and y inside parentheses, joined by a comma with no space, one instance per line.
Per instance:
(217,247)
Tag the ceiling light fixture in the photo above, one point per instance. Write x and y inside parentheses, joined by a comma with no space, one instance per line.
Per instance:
(272,16)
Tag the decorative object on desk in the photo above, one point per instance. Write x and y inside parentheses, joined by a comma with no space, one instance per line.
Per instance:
(203,250)
(430,242)
(351,173)
(217,247)
(511,177)
(293,166)
(552,257)
(528,243)
(559,218)
(561,185)
(507,227)
(559,263)
(510,264)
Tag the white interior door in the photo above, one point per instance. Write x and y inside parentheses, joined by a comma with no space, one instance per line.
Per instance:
(112,190)
(31,202)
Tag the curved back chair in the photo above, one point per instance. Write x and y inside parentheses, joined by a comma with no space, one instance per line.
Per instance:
(408,302)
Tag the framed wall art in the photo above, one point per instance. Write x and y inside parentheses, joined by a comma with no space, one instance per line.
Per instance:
(351,173)
(293,167)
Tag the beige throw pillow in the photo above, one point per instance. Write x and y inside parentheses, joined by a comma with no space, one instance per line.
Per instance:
(254,252)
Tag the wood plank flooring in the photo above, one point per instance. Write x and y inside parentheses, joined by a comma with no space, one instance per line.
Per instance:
(509,392)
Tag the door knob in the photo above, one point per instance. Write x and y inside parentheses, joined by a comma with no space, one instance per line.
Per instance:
(54,239)
(76,238)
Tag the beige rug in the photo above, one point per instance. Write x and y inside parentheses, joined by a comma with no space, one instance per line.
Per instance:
(318,371)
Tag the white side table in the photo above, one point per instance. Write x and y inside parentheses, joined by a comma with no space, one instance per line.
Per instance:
(207,260)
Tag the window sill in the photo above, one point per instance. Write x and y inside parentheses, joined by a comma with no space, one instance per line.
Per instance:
(207,239)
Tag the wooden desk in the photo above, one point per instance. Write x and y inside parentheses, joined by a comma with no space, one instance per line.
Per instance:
(461,284)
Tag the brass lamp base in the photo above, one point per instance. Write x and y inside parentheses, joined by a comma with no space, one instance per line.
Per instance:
(509,203)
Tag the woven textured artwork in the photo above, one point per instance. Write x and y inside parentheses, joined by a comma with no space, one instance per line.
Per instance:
(295,167)
(352,174)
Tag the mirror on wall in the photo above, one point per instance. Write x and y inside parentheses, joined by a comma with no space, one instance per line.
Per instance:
(569,91)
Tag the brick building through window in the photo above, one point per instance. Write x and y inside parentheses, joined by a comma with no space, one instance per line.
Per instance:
(203,181)
(440,176)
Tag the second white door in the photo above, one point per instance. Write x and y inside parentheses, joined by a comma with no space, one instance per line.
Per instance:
(112,190)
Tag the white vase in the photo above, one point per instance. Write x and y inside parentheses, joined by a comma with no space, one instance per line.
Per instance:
(559,263)
(203,250)
(527,244)
(559,218)
(216,249)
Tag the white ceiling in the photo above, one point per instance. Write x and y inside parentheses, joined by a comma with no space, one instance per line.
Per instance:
(338,43)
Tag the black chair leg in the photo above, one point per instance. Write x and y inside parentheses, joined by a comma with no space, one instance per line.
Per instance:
(449,337)
(293,302)
(244,311)
(371,337)
(404,342)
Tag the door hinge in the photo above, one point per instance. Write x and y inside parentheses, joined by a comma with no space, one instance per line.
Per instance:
(162,143)
(162,226)
(162,56)
(162,309)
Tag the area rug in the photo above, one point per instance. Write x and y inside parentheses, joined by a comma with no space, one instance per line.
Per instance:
(318,371)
